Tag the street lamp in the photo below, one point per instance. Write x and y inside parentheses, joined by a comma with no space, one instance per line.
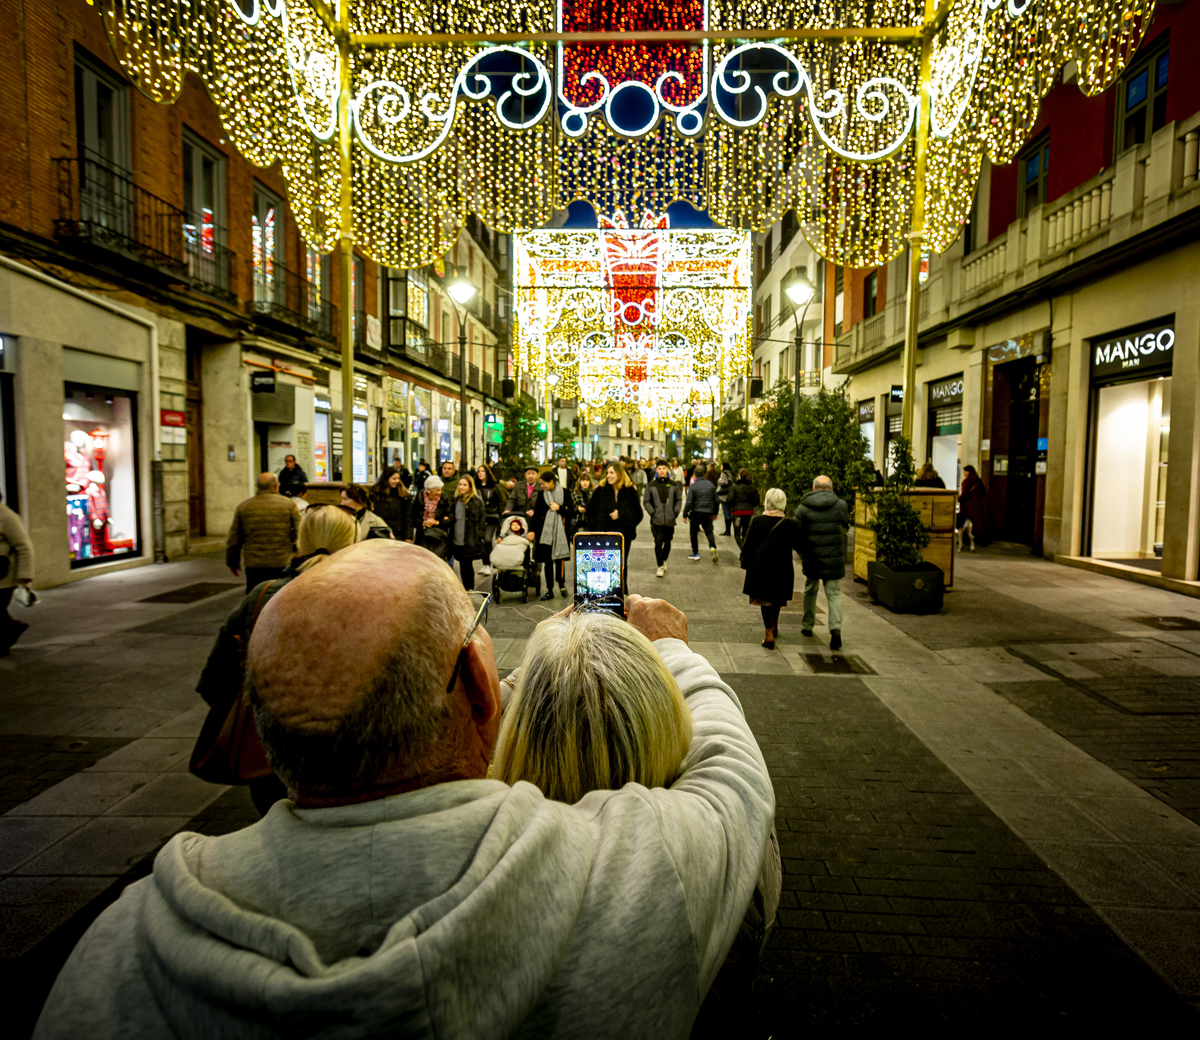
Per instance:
(714,382)
(552,379)
(461,292)
(800,291)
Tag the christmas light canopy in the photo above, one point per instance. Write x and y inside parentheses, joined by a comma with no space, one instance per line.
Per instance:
(871,121)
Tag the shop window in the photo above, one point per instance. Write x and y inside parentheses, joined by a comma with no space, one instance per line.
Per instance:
(1142,99)
(1032,167)
(871,295)
(266,228)
(100,453)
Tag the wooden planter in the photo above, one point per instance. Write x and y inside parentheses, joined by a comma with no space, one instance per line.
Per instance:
(936,508)
(917,590)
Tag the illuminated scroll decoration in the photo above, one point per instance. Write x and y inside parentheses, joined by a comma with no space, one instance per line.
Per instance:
(650,320)
(822,125)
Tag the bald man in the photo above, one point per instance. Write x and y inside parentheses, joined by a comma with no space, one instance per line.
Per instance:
(402,892)
(263,533)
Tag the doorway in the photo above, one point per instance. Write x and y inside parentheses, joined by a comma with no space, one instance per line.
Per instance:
(1016,495)
(197,526)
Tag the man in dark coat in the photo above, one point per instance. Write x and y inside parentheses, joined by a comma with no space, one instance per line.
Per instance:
(824,520)
(524,494)
(701,509)
(291,478)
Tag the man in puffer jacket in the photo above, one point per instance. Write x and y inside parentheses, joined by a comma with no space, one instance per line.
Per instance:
(662,499)
(824,520)
(701,510)
(262,536)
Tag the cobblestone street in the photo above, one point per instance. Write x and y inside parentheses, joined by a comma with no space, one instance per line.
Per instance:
(987,816)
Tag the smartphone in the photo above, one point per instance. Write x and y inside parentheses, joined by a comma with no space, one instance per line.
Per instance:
(599,566)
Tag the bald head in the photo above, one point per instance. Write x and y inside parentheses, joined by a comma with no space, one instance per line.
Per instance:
(267,482)
(348,665)
(822,484)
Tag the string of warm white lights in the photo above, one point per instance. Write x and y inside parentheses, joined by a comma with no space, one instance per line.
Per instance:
(747,130)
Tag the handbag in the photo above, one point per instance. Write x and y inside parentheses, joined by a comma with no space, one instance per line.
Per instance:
(436,541)
(228,749)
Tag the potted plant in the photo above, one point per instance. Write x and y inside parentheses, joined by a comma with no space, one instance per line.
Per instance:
(898,577)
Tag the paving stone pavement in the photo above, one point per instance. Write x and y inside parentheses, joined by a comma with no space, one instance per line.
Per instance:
(975,829)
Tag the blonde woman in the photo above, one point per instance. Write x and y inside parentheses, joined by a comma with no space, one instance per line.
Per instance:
(594,708)
(615,507)
(324,530)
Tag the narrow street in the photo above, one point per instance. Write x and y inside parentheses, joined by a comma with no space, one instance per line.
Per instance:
(988,815)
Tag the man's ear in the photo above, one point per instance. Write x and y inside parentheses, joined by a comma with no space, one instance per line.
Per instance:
(482,682)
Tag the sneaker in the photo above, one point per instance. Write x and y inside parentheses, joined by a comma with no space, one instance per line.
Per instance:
(659,573)
(835,639)
(716,558)
(485,570)
(694,557)
(806,632)
(562,591)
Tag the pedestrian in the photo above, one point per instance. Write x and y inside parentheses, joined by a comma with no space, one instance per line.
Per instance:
(524,492)
(431,520)
(677,473)
(970,507)
(300,501)
(767,560)
(724,486)
(325,530)
(16,568)
(449,474)
(700,509)
(552,507)
(405,477)
(824,520)
(743,501)
(582,498)
(663,500)
(493,501)
(638,476)
(393,503)
(291,478)
(262,536)
(420,477)
(566,479)
(928,477)
(468,523)
(615,507)
(369,524)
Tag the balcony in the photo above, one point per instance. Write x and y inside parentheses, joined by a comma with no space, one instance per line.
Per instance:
(100,207)
(209,264)
(1130,209)
(286,298)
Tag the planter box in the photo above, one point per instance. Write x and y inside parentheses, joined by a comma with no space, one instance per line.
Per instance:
(916,591)
(936,507)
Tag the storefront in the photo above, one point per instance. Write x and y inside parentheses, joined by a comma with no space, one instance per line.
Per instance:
(866,426)
(943,441)
(1130,424)
(894,426)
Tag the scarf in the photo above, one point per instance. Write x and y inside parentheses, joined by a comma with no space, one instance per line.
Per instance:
(554,534)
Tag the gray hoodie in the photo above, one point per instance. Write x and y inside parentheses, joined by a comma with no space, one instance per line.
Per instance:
(465,910)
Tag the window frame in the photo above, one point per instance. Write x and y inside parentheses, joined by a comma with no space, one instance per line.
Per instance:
(88,73)
(871,294)
(1148,63)
(1040,148)
(261,195)
(202,150)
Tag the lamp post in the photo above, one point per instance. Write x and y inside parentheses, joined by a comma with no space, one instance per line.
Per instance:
(713,383)
(801,292)
(461,292)
(551,382)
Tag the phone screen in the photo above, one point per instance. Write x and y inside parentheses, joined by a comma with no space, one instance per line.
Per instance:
(598,566)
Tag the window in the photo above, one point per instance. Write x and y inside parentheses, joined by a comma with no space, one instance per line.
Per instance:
(788,227)
(839,299)
(766,251)
(1031,169)
(101,114)
(316,271)
(871,295)
(766,315)
(357,291)
(204,212)
(1142,99)
(266,225)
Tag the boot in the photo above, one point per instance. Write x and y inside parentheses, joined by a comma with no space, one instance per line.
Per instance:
(769,639)
(835,639)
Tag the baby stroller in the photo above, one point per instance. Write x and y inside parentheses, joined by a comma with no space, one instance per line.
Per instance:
(513,566)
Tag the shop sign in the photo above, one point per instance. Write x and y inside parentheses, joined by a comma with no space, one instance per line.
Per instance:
(1146,350)
(948,391)
(321,404)
(374,333)
(897,394)
(167,417)
(262,382)
(866,411)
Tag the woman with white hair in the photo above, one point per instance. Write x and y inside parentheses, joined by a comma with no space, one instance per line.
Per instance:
(767,561)
(594,708)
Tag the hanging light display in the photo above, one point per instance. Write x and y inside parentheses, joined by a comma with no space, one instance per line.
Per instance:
(649,320)
(496,108)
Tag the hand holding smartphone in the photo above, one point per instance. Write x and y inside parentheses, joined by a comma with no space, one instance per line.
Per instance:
(599,566)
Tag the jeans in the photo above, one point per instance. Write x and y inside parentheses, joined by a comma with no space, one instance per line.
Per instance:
(467,566)
(555,569)
(694,525)
(663,533)
(741,525)
(833,600)
(727,513)
(257,575)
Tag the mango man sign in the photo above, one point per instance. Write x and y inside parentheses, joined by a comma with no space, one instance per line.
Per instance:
(1147,351)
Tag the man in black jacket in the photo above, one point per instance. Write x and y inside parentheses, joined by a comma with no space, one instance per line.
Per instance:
(824,520)
(291,478)
(663,499)
(524,494)
(701,510)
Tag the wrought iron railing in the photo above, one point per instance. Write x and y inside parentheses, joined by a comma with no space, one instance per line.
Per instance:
(209,264)
(289,298)
(99,204)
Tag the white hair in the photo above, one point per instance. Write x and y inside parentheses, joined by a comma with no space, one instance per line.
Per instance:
(775,499)
(432,483)
(595,708)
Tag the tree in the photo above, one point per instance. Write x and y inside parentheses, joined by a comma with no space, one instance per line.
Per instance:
(772,441)
(564,442)
(900,534)
(693,447)
(520,435)
(829,441)
(734,443)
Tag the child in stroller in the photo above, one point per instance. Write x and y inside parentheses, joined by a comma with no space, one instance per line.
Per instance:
(513,567)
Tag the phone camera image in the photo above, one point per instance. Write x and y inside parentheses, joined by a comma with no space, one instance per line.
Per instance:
(598,567)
